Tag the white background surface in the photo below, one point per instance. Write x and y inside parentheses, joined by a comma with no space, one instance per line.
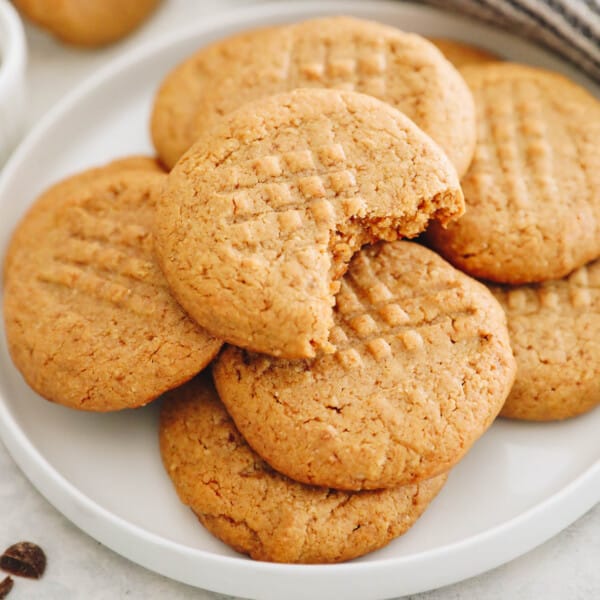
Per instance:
(565,567)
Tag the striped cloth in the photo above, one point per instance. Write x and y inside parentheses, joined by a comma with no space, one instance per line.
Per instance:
(569,27)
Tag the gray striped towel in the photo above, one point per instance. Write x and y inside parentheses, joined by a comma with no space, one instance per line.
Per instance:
(569,27)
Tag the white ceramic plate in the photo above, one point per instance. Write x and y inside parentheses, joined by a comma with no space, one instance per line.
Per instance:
(521,483)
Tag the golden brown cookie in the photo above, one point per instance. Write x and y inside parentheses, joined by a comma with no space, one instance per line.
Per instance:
(262,214)
(402,69)
(87,22)
(555,334)
(75,182)
(422,369)
(89,319)
(259,512)
(533,189)
(173,125)
(461,54)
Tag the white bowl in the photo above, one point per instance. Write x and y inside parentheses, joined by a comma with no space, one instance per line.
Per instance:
(13,58)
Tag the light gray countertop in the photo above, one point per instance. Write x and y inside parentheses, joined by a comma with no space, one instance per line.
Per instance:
(566,567)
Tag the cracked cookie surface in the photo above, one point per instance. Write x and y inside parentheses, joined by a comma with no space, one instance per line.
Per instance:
(423,367)
(260,512)
(555,334)
(533,189)
(89,319)
(261,216)
(402,69)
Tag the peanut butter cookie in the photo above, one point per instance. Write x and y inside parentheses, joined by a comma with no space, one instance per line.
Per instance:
(261,216)
(533,190)
(422,368)
(89,22)
(555,334)
(402,69)
(259,512)
(89,319)
(173,125)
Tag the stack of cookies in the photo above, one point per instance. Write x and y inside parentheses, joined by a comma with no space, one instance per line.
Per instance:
(358,367)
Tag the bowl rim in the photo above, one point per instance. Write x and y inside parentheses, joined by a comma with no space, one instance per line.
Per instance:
(12,46)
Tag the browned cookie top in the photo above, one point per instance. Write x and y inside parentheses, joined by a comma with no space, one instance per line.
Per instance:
(254,509)
(422,368)
(262,214)
(402,69)
(533,189)
(555,334)
(89,318)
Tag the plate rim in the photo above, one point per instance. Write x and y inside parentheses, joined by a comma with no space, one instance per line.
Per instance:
(92,518)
